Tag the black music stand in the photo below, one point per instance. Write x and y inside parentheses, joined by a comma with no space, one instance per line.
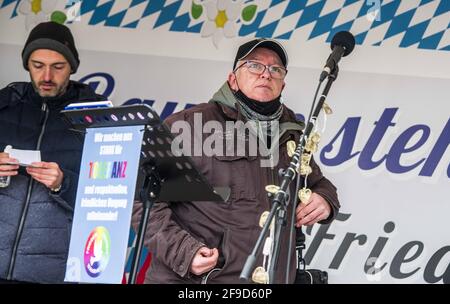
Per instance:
(162,175)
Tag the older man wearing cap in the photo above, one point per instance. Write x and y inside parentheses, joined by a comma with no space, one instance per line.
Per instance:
(36,204)
(208,242)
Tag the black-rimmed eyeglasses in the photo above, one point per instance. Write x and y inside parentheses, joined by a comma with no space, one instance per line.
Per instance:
(258,68)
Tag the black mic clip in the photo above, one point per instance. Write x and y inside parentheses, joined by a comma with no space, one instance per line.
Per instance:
(331,68)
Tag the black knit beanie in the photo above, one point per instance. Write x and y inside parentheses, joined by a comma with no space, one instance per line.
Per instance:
(52,36)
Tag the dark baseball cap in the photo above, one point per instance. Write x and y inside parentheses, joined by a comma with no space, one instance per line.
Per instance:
(248,47)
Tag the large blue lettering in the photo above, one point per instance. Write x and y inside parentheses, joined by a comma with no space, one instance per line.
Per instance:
(399,147)
(436,154)
(94,80)
(365,161)
(348,132)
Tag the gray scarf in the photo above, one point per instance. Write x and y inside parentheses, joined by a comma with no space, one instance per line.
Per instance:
(263,122)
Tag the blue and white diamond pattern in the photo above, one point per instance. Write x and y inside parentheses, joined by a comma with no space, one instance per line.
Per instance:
(423,24)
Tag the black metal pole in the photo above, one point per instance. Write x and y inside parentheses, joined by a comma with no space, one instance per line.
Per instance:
(251,259)
(280,223)
(147,205)
(149,193)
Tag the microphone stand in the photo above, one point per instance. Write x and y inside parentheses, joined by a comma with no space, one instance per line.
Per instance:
(148,195)
(280,199)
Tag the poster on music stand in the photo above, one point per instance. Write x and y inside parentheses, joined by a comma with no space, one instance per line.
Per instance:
(104,203)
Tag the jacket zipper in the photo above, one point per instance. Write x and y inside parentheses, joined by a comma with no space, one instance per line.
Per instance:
(27,200)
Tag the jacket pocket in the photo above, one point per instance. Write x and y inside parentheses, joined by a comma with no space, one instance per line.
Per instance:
(239,173)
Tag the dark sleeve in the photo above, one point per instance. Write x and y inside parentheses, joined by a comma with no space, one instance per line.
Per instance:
(322,186)
(5,97)
(164,237)
(67,195)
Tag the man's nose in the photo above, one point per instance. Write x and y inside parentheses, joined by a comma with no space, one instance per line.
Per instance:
(266,73)
(47,74)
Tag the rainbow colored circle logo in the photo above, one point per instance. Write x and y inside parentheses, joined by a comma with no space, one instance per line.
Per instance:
(97,251)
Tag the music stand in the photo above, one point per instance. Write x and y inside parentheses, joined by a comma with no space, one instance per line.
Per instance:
(162,175)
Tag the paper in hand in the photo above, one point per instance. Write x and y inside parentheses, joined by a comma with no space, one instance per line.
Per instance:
(25,157)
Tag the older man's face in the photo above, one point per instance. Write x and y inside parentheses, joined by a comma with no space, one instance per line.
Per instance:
(49,72)
(261,87)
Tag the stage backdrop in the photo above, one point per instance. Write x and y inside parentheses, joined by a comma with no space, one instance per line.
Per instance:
(385,147)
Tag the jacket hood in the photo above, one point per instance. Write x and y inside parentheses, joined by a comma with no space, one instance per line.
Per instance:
(224,96)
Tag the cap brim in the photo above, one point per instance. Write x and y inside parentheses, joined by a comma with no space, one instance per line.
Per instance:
(271,45)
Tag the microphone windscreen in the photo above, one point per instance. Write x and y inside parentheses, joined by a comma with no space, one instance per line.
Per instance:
(344,39)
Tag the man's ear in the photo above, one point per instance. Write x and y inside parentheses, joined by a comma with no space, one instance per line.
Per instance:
(232,82)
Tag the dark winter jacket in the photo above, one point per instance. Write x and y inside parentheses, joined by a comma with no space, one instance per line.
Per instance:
(35,223)
(177,230)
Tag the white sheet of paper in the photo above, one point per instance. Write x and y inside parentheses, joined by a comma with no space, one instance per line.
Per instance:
(25,157)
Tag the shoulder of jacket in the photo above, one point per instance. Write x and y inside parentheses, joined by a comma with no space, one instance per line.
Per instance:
(86,93)
(188,114)
(13,93)
(292,117)
(18,88)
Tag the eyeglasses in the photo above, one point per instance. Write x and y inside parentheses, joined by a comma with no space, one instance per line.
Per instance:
(257,68)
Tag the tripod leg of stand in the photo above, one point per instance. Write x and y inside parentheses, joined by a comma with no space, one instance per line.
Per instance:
(140,242)
(149,194)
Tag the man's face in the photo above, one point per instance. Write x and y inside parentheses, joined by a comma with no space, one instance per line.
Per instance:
(258,87)
(49,72)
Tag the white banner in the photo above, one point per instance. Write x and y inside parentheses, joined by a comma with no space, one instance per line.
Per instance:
(385,147)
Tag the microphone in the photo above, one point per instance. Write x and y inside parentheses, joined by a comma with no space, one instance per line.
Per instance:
(342,44)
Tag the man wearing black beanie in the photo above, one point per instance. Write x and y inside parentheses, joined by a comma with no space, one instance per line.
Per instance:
(50,42)
(37,200)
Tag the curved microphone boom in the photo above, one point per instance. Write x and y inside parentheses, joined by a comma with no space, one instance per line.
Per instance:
(342,44)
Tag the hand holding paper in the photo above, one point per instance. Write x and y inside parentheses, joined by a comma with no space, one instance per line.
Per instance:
(24,157)
(48,174)
(8,164)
